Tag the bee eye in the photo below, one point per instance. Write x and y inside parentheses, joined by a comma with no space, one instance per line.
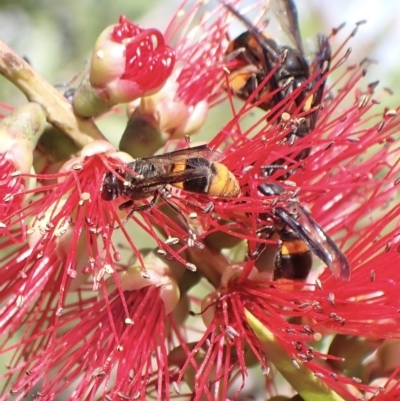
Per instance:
(110,187)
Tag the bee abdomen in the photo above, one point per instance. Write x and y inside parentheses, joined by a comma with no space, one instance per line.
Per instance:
(295,261)
(219,181)
(223,183)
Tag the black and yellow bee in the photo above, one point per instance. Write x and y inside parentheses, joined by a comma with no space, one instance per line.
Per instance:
(192,169)
(299,236)
(256,56)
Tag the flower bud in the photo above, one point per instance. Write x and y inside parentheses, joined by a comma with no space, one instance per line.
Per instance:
(220,239)
(134,279)
(352,350)
(19,134)
(388,356)
(174,117)
(128,62)
(56,145)
(142,137)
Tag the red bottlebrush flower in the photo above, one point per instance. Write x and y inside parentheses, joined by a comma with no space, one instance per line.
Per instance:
(349,182)
(55,225)
(128,62)
(100,316)
(70,246)
(339,181)
(200,52)
(19,133)
(181,107)
(122,343)
(299,316)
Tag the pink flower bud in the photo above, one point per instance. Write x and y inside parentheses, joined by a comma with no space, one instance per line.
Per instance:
(128,62)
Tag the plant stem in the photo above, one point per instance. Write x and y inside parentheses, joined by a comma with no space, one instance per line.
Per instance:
(58,110)
(310,387)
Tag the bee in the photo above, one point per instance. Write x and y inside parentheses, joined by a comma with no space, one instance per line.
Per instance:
(299,236)
(256,55)
(192,169)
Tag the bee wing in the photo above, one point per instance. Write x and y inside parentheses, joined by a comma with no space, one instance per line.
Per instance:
(171,177)
(286,13)
(317,240)
(270,189)
(269,54)
(265,43)
(305,232)
(340,266)
(182,155)
(250,26)
(321,63)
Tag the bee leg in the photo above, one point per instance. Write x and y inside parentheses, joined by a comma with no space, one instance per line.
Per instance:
(248,57)
(126,205)
(278,262)
(241,51)
(130,205)
(254,255)
(254,86)
(164,193)
(263,232)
